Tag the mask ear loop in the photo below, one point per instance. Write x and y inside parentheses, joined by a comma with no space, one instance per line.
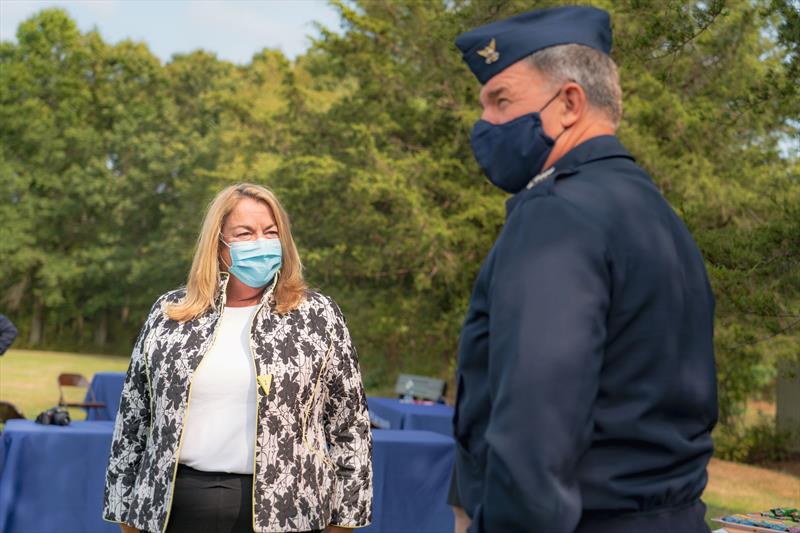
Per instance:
(220,256)
(549,101)
(555,139)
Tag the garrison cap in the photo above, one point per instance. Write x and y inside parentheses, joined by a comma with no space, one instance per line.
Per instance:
(491,48)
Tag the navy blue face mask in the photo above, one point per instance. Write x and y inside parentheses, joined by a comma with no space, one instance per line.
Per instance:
(513,152)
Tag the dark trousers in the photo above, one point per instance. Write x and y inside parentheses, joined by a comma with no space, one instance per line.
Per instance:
(211,502)
(688,518)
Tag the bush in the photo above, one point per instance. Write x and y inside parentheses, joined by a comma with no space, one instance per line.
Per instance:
(756,444)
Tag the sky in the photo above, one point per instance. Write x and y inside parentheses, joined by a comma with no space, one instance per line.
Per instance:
(234,29)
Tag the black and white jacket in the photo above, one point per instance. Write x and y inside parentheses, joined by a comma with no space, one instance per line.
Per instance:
(312,464)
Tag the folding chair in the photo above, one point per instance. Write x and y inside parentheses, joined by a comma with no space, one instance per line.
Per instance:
(9,411)
(77,381)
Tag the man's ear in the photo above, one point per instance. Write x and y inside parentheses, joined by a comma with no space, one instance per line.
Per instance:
(574,104)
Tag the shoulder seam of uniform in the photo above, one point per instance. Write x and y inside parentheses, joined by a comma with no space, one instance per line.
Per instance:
(591,221)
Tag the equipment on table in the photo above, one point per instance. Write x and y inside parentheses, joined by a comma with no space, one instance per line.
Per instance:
(411,387)
(55,416)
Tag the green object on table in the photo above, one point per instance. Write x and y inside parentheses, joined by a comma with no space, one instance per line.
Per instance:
(784,513)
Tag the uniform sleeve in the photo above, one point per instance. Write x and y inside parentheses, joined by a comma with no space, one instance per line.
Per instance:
(348,431)
(130,432)
(7,334)
(549,296)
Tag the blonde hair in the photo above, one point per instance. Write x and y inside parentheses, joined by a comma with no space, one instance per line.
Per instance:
(202,285)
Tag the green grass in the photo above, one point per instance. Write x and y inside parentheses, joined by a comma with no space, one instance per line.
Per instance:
(739,488)
(28,378)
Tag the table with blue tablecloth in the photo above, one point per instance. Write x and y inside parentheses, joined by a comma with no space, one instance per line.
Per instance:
(105,387)
(411,478)
(53,476)
(400,415)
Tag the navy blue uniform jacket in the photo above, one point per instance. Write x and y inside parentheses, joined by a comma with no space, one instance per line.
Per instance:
(586,378)
(7,334)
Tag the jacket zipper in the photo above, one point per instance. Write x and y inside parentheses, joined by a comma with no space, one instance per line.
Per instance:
(255,436)
(186,412)
(266,297)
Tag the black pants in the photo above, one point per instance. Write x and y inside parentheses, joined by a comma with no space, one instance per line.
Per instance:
(211,502)
(687,518)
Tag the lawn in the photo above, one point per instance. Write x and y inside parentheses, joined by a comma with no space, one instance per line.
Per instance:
(740,488)
(28,379)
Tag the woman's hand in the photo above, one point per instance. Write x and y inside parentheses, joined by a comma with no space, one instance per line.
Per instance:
(128,529)
(338,529)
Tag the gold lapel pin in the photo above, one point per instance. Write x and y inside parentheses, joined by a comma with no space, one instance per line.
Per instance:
(265,381)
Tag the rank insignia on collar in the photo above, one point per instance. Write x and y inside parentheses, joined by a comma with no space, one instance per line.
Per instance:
(490,52)
(540,178)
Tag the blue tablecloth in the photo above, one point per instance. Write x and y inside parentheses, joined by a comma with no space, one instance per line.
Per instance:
(107,388)
(437,417)
(53,478)
(411,472)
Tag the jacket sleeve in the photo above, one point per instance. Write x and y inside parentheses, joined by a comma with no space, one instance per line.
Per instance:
(7,334)
(549,297)
(348,431)
(130,431)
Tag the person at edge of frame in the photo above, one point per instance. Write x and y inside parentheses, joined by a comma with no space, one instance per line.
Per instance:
(8,333)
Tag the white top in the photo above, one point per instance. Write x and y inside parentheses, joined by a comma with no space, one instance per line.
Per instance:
(220,427)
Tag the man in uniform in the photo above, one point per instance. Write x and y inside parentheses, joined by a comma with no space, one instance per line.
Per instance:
(586,378)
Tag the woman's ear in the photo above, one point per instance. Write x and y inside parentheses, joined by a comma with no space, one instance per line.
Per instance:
(224,258)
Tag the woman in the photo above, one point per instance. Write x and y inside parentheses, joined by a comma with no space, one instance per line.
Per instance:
(243,407)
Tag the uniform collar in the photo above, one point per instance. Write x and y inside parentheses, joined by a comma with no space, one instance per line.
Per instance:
(594,149)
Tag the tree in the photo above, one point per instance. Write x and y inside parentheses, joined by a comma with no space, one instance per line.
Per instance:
(108,158)
(402,215)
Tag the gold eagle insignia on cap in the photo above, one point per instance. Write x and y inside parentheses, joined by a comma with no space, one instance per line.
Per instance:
(490,52)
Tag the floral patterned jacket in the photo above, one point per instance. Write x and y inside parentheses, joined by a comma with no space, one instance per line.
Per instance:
(312,464)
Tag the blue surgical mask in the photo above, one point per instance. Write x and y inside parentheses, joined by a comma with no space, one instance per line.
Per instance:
(255,262)
(512,153)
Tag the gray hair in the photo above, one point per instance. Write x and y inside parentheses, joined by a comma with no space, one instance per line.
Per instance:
(593,70)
